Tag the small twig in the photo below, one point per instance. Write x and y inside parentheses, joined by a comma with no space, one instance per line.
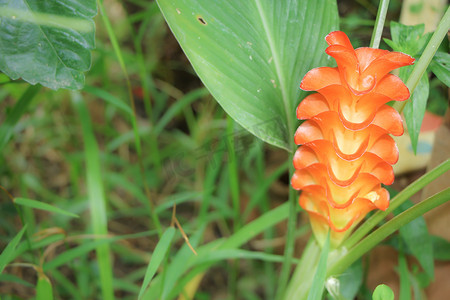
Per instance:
(183,234)
(8,193)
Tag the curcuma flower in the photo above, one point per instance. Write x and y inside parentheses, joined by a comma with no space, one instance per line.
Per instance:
(347,151)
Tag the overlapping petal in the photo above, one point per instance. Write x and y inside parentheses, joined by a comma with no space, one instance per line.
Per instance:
(347,150)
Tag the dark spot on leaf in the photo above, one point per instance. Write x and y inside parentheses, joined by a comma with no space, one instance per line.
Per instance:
(201,20)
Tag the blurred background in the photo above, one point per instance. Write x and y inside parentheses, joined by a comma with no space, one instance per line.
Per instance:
(185,161)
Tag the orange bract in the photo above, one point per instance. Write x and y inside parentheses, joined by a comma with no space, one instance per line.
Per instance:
(347,149)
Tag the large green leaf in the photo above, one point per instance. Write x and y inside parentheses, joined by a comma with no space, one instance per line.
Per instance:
(47,42)
(252,55)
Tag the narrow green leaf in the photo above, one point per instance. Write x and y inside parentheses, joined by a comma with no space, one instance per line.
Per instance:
(415,108)
(85,247)
(405,286)
(7,127)
(383,292)
(416,236)
(8,253)
(252,55)
(177,107)
(157,257)
(186,259)
(38,49)
(111,99)
(257,226)
(318,283)
(14,279)
(43,206)
(44,289)
(97,202)
(221,255)
(440,66)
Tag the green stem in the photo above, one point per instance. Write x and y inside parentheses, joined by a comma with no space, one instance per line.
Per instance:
(427,55)
(379,24)
(233,174)
(387,229)
(290,238)
(398,200)
(137,140)
(302,278)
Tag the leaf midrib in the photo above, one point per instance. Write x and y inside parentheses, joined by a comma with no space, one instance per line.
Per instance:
(278,71)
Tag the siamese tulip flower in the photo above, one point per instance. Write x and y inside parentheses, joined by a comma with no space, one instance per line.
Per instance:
(347,151)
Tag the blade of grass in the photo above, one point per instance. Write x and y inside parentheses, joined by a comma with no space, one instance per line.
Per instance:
(185,259)
(14,279)
(157,257)
(223,254)
(7,127)
(137,139)
(111,99)
(97,202)
(7,254)
(43,206)
(44,289)
(86,247)
(178,107)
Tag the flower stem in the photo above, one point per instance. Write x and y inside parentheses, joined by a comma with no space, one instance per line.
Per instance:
(379,24)
(387,229)
(396,202)
(427,55)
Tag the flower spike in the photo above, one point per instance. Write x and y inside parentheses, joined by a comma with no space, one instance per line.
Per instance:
(347,151)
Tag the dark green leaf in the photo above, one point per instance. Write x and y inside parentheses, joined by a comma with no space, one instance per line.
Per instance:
(252,55)
(383,292)
(47,42)
(440,66)
(415,108)
(415,235)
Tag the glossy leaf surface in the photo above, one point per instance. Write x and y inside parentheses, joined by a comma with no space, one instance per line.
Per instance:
(252,55)
(47,42)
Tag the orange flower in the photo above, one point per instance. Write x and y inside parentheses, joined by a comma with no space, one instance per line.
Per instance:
(347,149)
